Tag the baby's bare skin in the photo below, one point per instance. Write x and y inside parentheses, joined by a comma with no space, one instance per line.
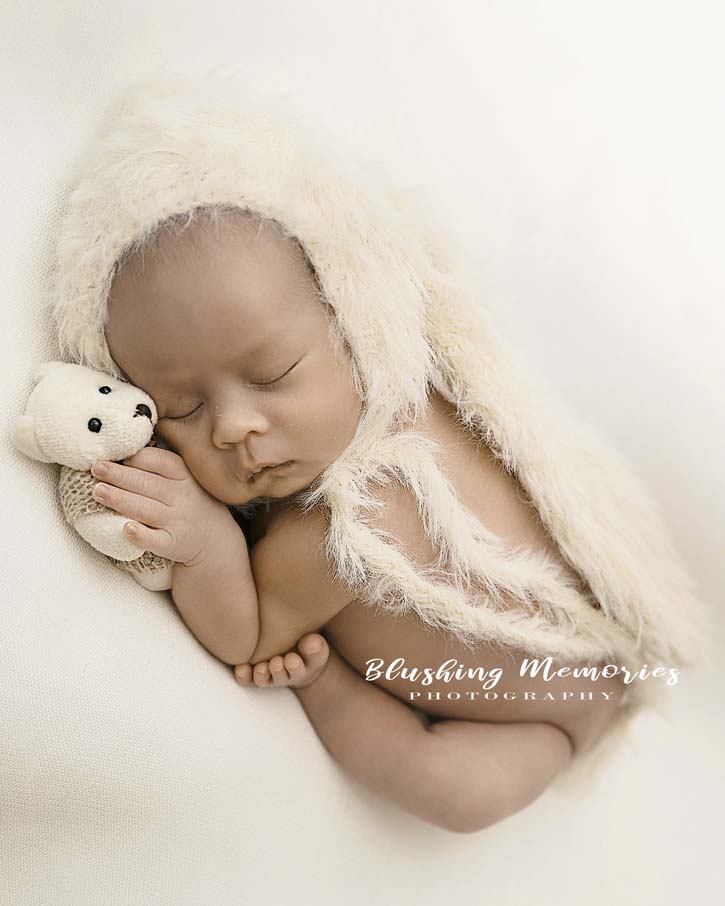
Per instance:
(459,775)
(499,502)
(457,733)
(360,633)
(294,670)
(236,353)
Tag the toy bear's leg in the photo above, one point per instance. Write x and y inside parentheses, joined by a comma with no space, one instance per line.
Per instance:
(149,571)
(158,580)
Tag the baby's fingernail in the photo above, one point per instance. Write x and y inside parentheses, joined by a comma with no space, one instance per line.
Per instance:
(99,468)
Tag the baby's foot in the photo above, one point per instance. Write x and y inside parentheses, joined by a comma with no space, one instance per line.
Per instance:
(296,669)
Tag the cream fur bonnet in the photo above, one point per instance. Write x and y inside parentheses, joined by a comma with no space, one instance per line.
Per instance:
(411,318)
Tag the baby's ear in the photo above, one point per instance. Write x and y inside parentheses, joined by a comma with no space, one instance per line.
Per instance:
(22,432)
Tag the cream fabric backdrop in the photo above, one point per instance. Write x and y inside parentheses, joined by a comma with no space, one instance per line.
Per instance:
(584,145)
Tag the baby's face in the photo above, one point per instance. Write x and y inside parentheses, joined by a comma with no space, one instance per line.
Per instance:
(231,342)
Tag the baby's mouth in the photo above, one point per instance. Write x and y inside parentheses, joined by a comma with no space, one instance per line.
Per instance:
(253,476)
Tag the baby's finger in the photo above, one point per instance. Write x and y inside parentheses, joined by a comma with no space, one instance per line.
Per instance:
(158,541)
(160,461)
(143,509)
(147,484)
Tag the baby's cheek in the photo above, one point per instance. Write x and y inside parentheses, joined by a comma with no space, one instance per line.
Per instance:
(163,434)
(163,442)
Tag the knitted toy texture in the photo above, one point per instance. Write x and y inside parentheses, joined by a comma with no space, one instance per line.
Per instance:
(76,416)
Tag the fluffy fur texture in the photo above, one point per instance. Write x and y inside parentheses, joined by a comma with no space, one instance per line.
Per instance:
(400,293)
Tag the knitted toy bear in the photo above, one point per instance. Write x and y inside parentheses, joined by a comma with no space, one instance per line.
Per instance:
(76,416)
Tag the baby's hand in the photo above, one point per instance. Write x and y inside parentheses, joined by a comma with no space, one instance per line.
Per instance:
(172,515)
(291,670)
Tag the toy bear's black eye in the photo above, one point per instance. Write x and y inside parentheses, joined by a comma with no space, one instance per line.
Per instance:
(95,425)
(104,389)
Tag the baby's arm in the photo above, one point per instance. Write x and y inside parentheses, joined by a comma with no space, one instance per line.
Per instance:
(217,598)
(212,582)
(247,606)
(241,605)
(459,775)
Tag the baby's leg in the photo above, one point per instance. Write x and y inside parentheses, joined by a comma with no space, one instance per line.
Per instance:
(456,774)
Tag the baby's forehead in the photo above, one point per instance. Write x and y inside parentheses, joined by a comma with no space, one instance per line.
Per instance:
(243,285)
(192,238)
(238,282)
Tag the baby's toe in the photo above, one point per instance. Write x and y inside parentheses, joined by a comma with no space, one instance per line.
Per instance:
(280,677)
(261,674)
(314,649)
(243,674)
(294,666)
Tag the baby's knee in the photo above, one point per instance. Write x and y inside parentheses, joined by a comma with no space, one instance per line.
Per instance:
(463,816)
(454,803)
(465,823)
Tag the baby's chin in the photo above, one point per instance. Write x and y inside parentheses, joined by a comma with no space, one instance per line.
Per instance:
(239,495)
(288,491)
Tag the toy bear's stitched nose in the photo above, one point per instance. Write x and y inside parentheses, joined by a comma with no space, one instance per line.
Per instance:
(142,409)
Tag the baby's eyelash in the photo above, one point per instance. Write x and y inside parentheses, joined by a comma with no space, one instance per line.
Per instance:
(190,415)
(184,418)
(267,383)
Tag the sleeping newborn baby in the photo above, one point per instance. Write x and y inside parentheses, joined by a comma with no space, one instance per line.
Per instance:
(367,497)
(222,322)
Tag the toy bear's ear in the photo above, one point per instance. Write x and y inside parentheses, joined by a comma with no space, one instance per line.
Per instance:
(44,368)
(22,432)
